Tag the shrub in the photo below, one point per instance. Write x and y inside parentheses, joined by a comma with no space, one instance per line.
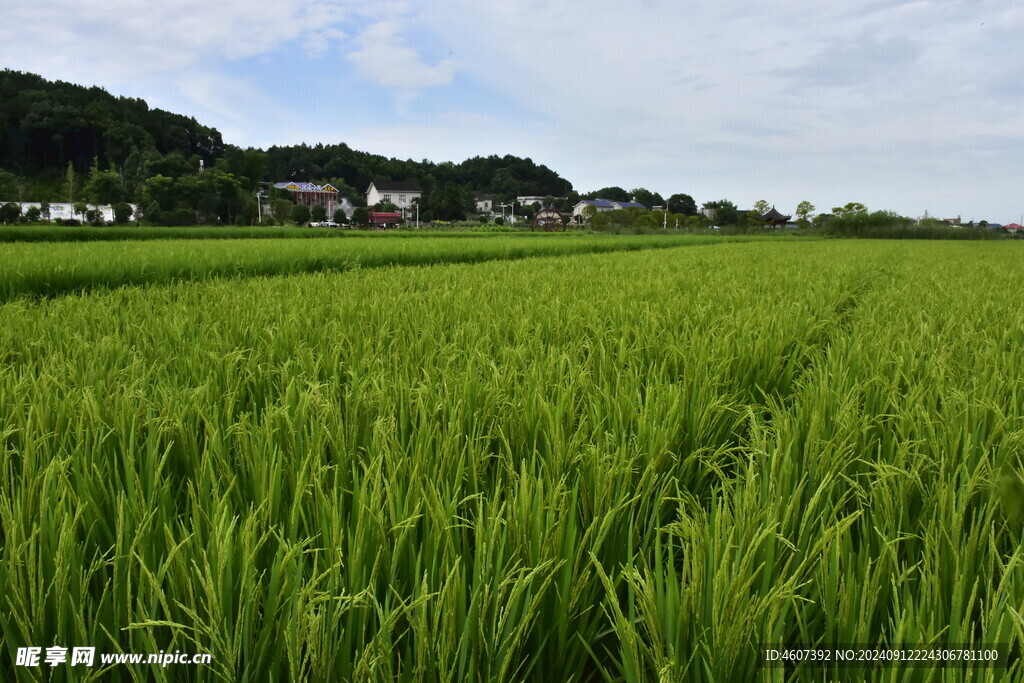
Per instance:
(282,209)
(300,214)
(122,213)
(10,213)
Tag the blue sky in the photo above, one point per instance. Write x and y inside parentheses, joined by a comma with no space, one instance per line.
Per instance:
(909,106)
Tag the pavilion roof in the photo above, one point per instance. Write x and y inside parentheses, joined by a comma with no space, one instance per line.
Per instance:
(775,216)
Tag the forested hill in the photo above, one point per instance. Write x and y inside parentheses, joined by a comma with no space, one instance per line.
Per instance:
(506,176)
(44,125)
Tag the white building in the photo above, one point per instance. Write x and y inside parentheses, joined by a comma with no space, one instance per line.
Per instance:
(63,211)
(484,203)
(401,193)
(598,204)
(527,200)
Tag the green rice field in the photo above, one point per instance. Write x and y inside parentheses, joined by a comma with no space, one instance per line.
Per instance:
(497,460)
(47,269)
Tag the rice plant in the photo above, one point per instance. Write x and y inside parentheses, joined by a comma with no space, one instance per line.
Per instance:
(591,467)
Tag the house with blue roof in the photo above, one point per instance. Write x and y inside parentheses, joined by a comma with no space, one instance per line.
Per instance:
(601,205)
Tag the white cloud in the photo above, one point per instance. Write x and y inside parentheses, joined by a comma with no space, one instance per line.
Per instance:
(746,95)
(384,58)
(317,43)
(119,40)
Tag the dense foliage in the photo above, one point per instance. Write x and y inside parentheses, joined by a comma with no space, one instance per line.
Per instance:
(886,224)
(46,124)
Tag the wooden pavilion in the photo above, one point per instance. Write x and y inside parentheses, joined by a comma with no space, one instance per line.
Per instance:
(774,219)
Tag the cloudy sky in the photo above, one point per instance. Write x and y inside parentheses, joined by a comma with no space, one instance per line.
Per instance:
(909,106)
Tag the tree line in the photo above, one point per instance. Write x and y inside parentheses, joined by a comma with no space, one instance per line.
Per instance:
(70,143)
(56,136)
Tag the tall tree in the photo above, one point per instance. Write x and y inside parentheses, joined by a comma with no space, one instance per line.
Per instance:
(646,197)
(850,208)
(69,183)
(682,203)
(726,212)
(104,187)
(616,194)
(300,214)
(8,185)
(282,210)
(803,213)
(452,206)
(10,213)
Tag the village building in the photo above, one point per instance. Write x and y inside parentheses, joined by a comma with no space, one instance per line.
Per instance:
(310,194)
(601,205)
(531,199)
(401,193)
(527,200)
(484,203)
